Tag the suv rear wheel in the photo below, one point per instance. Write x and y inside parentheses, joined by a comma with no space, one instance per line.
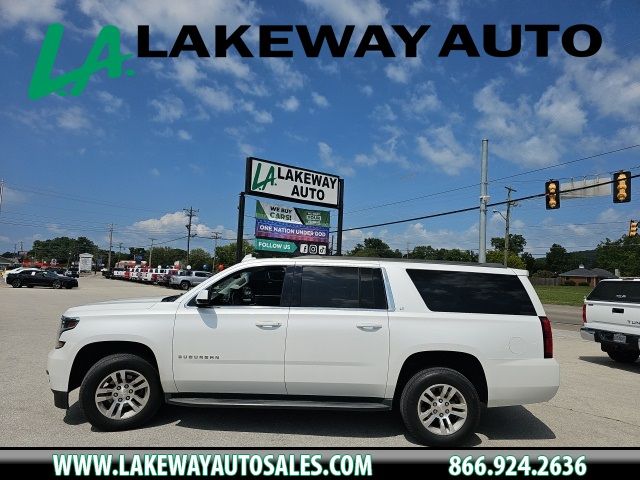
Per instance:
(120,392)
(185,285)
(16,283)
(440,407)
(624,356)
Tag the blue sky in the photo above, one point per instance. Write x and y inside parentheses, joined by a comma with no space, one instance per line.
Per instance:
(135,151)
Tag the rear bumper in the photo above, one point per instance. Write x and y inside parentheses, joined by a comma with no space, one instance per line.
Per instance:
(588,334)
(520,382)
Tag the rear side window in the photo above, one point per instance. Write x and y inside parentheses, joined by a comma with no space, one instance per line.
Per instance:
(624,291)
(342,287)
(467,292)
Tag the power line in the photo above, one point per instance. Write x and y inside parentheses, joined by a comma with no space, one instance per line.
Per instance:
(470,209)
(443,192)
(190,213)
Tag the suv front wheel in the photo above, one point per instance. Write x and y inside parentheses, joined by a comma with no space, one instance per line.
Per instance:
(120,392)
(440,407)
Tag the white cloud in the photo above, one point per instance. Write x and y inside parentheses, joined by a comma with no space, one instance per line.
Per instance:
(423,99)
(290,104)
(332,161)
(384,113)
(400,71)
(440,148)
(285,75)
(231,65)
(320,100)
(183,135)
(169,108)
(561,107)
(260,116)
(350,12)
(367,90)
(254,89)
(167,16)
(173,224)
(186,72)
(385,151)
(73,118)
(30,12)
(451,9)
(215,98)
(519,68)
(111,103)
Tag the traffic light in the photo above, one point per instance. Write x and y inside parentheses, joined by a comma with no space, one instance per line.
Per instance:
(633,228)
(622,187)
(552,194)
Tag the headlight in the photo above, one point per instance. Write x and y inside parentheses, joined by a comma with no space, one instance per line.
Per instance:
(66,323)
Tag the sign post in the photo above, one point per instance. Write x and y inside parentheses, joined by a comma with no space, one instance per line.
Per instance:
(265,178)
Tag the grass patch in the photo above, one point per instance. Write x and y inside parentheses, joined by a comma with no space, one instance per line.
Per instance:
(561,295)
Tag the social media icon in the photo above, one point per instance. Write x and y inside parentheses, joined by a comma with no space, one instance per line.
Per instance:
(313,249)
(304,248)
(323,250)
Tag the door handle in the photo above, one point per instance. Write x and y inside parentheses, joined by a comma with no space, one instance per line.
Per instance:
(369,327)
(268,324)
(617,310)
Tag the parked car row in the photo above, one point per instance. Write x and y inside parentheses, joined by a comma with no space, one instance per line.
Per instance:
(35,277)
(169,277)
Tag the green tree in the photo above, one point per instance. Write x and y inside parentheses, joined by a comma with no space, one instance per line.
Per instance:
(513,260)
(529,261)
(516,243)
(455,255)
(623,253)
(198,258)
(63,249)
(374,247)
(226,254)
(557,259)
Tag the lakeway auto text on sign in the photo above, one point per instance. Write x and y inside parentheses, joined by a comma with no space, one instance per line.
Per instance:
(276,180)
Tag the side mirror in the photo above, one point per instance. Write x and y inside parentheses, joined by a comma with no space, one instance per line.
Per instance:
(202,299)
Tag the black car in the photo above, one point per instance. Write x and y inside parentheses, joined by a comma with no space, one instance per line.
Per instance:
(40,279)
(72,272)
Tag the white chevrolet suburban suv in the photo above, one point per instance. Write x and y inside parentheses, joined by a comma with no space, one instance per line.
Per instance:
(437,340)
(611,317)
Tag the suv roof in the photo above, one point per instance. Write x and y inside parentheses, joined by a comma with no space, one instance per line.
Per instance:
(331,258)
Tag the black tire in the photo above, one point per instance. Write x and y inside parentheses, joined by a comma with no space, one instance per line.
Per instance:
(624,356)
(107,366)
(68,287)
(410,404)
(184,285)
(57,284)
(29,286)
(16,283)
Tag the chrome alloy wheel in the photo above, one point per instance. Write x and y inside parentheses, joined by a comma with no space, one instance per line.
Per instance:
(122,394)
(442,409)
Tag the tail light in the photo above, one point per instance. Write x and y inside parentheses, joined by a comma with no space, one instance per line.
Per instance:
(547,337)
(584,313)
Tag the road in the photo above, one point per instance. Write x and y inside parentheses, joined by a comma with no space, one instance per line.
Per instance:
(564,314)
(595,406)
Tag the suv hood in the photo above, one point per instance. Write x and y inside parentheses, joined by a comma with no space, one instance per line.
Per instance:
(115,305)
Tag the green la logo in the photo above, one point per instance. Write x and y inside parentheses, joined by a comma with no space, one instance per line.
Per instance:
(42,81)
(258,184)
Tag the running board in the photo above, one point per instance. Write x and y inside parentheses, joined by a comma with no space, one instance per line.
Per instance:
(279,403)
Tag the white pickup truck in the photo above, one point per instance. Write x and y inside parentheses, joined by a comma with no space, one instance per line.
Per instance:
(611,317)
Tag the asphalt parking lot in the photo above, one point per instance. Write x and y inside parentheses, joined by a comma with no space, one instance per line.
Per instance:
(596,405)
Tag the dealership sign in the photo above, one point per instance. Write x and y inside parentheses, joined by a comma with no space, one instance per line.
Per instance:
(275,180)
(291,230)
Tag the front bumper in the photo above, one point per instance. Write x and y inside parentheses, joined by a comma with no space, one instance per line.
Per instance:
(61,399)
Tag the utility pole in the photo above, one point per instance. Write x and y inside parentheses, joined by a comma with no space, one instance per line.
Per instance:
(1,193)
(484,199)
(151,250)
(507,221)
(110,244)
(190,213)
(215,237)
